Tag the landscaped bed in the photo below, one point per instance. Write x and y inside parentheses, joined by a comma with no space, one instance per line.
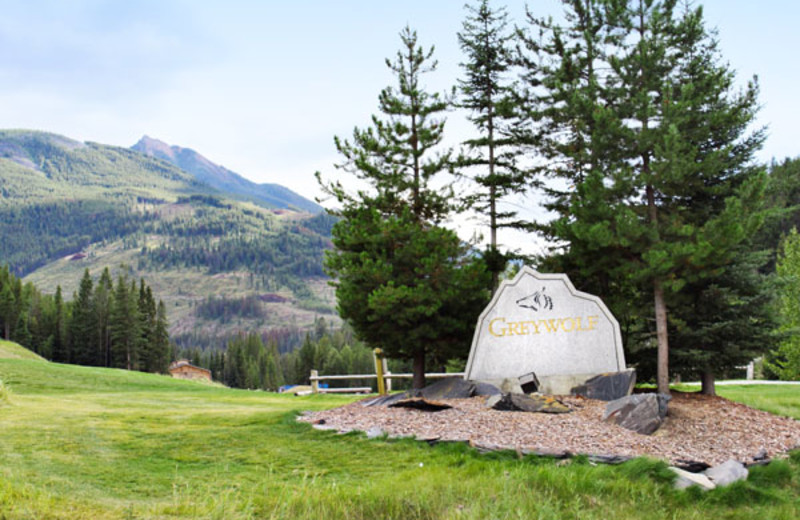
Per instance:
(698,428)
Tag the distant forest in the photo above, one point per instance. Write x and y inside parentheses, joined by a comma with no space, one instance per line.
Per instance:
(109,324)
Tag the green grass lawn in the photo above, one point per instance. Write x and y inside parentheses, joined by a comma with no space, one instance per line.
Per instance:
(80,442)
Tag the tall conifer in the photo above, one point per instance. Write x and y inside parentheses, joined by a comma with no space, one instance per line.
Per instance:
(487,94)
(404,283)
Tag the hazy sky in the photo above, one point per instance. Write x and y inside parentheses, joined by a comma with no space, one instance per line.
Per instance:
(262,87)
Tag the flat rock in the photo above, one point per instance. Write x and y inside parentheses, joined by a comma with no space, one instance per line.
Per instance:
(385,400)
(533,403)
(727,473)
(420,403)
(692,466)
(686,479)
(609,459)
(642,413)
(448,388)
(607,387)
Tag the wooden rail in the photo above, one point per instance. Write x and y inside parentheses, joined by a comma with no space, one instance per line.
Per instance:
(316,378)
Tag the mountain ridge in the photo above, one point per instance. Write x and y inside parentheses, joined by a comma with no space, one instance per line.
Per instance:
(223,179)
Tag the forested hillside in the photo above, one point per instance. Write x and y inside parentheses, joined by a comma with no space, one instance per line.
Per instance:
(222,266)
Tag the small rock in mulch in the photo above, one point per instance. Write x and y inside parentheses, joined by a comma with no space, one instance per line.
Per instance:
(419,403)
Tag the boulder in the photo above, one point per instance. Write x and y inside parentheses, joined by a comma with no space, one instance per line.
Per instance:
(727,473)
(607,387)
(524,403)
(642,413)
(511,386)
(485,389)
(493,400)
(686,479)
(448,388)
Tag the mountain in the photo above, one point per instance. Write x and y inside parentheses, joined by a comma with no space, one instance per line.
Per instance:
(222,265)
(270,195)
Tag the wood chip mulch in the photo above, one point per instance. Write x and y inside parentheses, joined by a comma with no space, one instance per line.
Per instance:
(698,428)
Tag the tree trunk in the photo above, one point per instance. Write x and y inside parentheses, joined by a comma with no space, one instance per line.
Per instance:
(708,387)
(663,339)
(492,200)
(418,382)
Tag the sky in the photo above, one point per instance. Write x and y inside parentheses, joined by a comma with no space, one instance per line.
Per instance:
(262,87)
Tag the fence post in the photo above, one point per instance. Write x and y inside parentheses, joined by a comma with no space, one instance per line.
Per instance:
(387,373)
(378,355)
(314,382)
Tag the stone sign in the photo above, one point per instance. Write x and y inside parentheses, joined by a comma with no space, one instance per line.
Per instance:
(540,323)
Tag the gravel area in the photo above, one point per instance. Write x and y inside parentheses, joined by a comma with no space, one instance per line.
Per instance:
(698,428)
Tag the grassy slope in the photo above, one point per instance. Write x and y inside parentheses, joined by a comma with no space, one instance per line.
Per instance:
(11,350)
(97,443)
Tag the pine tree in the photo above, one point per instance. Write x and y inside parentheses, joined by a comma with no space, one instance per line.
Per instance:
(661,193)
(397,273)
(60,347)
(8,306)
(83,325)
(487,94)
(124,326)
(160,341)
(101,307)
(148,350)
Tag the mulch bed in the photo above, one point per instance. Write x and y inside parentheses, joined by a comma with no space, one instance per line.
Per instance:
(698,429)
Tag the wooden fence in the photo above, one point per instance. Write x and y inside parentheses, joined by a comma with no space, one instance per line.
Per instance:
(387,376)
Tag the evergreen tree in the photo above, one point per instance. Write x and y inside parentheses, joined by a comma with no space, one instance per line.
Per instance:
(486,94)
(83,325)
(125,323)
(101,306)
(8,306)
(149,355)
(726,321)
(159,358)
(410,289)
(60,342)
(397,156)
(661,192)
(785,360)
(401,280)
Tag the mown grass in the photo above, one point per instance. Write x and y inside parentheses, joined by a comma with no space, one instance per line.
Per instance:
(778,399)
(81,442)
(11,350)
